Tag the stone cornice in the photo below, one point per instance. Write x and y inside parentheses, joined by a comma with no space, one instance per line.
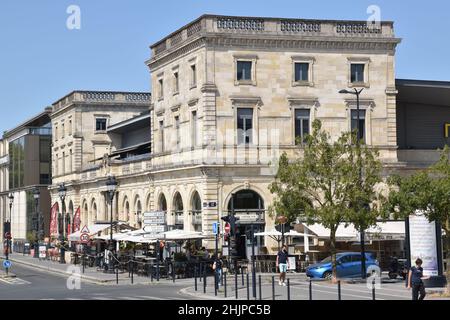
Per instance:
(246,100)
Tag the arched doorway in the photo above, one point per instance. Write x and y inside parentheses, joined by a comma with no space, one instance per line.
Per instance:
(178,211)
(196,205)
(94,212)
(85,220)
(248,205)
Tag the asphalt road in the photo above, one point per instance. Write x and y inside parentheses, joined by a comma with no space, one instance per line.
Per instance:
(34,284)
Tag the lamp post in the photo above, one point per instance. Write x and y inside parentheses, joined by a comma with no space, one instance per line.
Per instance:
(111,187)
(357,93)
(8,240)
(62,191)
(282,220)
(36,196)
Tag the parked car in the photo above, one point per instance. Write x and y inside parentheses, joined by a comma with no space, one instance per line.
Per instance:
(348,265)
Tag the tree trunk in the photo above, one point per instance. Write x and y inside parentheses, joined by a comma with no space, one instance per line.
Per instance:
(333,254)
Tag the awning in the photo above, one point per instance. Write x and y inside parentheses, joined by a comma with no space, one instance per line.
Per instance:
(391,230)
(93,230)
(180,235)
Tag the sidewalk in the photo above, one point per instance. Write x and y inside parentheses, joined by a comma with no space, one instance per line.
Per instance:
(89,275)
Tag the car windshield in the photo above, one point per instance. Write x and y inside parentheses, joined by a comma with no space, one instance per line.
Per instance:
(328,259)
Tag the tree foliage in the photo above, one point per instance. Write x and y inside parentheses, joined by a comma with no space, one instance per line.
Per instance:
(324,186)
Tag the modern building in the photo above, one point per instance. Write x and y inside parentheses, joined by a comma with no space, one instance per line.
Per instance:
(92,131)
(25,165)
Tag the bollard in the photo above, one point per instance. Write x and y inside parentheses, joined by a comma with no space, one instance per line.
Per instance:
(82,257)
(310,289)
(339,290)
(260,289)
(216,283)
(200,271)
(236,283)
(225,284)
(273,287)
(129,268)
(373,289)
(117,274)
(288,290)
(248,288)
(204,282)
(173,272)
(195,277)
(242,276)
(151,273)
(132,272)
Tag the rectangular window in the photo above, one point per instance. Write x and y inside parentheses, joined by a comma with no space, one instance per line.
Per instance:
(161,135)
(194,129)
(362,123)
(302,117)
(161,88)
(245,125)
(176,83)
(56,133)
(244,71)
(63,163)
(193,75)
(62,130)
(301,71)
(100,124)
(177,128)
(357,72)
(70,127)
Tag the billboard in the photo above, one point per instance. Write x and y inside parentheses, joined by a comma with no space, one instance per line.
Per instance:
(423,244)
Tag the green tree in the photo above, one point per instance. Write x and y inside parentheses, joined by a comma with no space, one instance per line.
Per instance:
(427,191)
(324,185)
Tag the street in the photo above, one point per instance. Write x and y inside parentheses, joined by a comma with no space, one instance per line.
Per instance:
(33,284)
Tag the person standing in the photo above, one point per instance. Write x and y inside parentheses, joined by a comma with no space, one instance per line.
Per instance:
(218,270)
(415,281)
(282,264)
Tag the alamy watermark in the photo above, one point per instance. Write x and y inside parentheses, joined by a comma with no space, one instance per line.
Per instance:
(74,280)
(73,22)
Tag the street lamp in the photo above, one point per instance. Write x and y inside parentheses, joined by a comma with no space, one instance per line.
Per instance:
(282,220)
(111,187)
(357,93)
(36,196)
(9,236)
(62,191)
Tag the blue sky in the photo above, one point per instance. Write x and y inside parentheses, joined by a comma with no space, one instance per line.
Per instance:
(41,60)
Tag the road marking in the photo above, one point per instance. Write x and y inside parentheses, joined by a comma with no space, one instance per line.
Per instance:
(102,298)
(368,291)
(15,281)
(129,298)
(335,292)
(151,298)
(175,298)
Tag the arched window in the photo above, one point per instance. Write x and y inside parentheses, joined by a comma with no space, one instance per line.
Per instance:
(138,217)
(162,203)
(196,210)
(178,210)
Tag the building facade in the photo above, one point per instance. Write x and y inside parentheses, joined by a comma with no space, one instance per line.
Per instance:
(25,165)
(230,94)
(85,141)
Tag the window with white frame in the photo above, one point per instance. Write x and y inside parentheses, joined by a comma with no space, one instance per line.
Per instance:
(244,126)
(362,123)
(195,138)
(160,88)
(358,72)
(161,135)
(177,129)
(302,71)
(176,82)
(302,125)
(193,76)
(245,70)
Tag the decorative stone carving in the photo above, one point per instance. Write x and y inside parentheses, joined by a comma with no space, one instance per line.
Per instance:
(241,24)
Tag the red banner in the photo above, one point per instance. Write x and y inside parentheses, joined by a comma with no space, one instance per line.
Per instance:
(54,220)
(77,220)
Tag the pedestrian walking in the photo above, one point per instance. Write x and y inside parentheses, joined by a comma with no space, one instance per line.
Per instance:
(218,269)
(415,281)
(282,264)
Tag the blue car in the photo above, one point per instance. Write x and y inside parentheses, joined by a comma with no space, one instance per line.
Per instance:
(348,265)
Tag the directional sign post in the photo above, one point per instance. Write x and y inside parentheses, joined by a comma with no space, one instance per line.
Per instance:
(7,264)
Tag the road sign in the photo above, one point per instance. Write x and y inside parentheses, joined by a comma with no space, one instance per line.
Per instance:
(154,220)
(215,227)
(85,230)
(227,228)
(7,264)
(42,252)
(84,237)
(154,214)
(155,228)
(7,235)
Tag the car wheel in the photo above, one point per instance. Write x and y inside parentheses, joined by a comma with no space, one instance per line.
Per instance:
(327,275)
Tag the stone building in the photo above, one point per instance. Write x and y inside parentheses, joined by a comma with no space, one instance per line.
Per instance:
(229,94)
(82,146)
